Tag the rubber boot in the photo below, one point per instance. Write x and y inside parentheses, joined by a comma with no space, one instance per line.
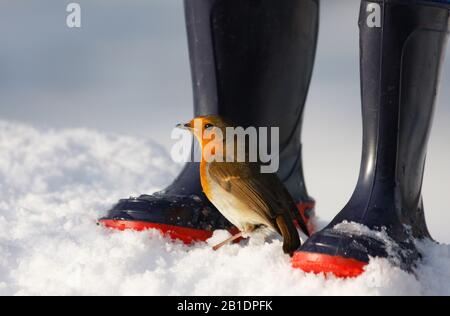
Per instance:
(401,60)
(251,62)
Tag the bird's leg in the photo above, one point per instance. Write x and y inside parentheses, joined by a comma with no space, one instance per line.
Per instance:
(229,240)
(249,229)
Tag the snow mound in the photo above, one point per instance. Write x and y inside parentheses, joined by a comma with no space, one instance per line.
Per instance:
(55,184)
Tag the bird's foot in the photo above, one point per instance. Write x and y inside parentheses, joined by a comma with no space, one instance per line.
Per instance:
(228,241)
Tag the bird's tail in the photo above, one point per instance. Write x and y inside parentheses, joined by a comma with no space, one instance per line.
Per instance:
(291,239)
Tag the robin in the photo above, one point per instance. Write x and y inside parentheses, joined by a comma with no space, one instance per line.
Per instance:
(249,199)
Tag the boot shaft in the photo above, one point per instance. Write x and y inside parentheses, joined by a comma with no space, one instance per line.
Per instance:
(402,48)
(252,62)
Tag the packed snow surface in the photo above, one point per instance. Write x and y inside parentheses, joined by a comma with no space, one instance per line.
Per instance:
(54,184)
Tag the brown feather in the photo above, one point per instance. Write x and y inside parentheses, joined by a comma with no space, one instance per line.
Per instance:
(265,194)
(291,240)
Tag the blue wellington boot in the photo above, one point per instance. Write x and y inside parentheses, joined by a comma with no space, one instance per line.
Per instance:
(401,58)
(251,62)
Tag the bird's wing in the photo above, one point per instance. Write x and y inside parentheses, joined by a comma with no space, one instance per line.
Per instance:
(263,193)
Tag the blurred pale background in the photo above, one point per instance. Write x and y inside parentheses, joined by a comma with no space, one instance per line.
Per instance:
(127,71)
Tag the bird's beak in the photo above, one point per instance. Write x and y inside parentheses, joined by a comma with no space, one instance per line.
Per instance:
(186,126)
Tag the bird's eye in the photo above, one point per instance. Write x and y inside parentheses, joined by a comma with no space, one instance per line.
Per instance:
(208,126)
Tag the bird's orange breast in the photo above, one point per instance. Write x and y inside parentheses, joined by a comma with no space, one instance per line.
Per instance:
(204,178)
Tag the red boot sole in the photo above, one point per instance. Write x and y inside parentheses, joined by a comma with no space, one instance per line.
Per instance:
(320,263)
(186,235)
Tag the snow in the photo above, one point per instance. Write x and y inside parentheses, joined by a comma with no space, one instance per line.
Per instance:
(54,184)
